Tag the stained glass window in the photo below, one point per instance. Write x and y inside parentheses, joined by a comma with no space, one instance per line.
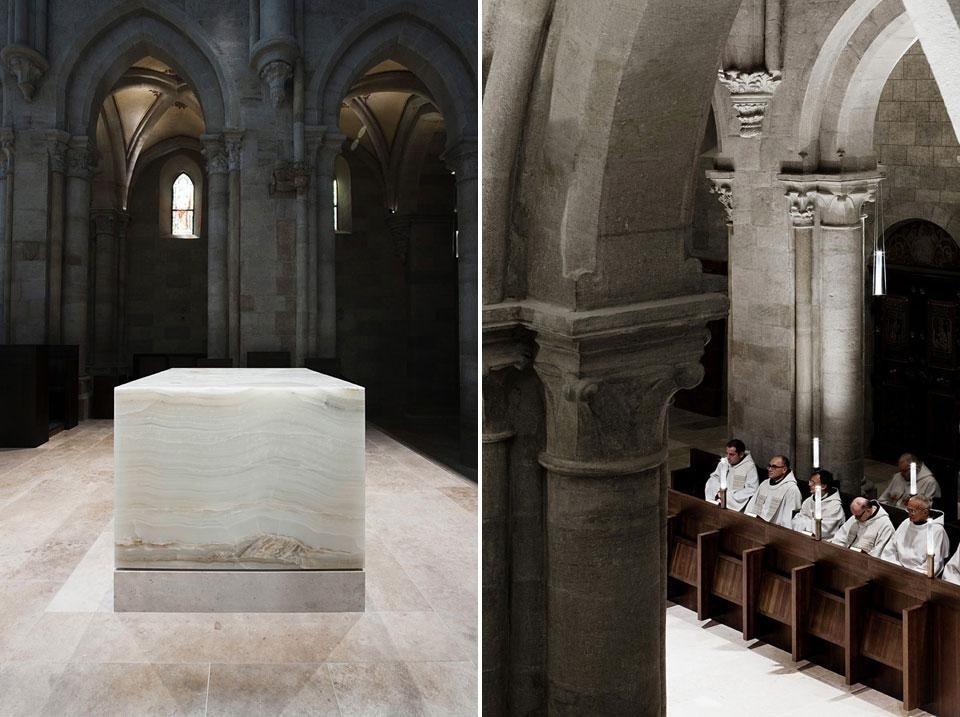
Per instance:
(182,206)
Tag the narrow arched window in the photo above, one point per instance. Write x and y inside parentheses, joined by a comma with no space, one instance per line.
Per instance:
(182,205)
(336,205)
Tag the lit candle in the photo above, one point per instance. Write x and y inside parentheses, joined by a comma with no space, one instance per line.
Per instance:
(913,478)
(816,452)
(818,502)
(929,537)
(724,467)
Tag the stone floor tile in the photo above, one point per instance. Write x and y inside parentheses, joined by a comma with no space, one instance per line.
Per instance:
(129,689)
(449,688)
(271,690)
(374,689)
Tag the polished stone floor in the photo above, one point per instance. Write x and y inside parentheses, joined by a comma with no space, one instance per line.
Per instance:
(712,671)
(63,650)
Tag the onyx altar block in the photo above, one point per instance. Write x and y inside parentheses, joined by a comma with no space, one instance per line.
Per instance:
(239,490)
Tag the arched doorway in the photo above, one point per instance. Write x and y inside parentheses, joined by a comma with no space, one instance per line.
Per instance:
(147,286)
(916,363)
(396,255)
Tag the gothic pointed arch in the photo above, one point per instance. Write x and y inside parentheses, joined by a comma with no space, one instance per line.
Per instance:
(422,47)
(99,57)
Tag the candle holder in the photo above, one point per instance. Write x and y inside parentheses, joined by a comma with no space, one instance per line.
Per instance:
(723,497)
(929,566)
(816,529)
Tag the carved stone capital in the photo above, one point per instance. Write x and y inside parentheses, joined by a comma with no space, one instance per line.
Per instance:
(608,378)
(838,198)
(82,158)
(750,93)
(721,184)
(27,65)
(233,142)
(461,159)
(801,207)
(275,74)
(507,349)
(215,153)
(58,143)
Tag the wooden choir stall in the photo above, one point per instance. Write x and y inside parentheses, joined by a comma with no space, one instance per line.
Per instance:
(873,622)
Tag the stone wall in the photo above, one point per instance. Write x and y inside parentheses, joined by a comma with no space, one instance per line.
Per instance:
(166,277)
(914,138)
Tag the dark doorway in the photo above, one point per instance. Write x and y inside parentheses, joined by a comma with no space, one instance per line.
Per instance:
(916,376)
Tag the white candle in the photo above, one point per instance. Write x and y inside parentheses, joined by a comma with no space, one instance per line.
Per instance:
(816,452)
(724,467)
(913,478)
(818,502)
(929,537)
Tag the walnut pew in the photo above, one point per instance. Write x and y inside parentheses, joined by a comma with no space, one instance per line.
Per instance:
(873,622)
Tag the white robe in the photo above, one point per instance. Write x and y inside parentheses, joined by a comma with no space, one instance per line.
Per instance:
(870,536)
(833,516)
(898,491)
(908,546)
(741,482)
(951,571)
(776,503)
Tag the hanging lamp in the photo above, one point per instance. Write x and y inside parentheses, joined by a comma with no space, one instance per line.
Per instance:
(879,254)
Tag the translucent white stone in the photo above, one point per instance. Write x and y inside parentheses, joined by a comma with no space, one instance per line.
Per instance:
(239,469)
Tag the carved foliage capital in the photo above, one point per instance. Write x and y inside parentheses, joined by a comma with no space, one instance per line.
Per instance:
(801,207)
(276,74)
(233,143)
(841,205)
(724,192)
(750,93)
(81,159)
(607,396)
(27,65)
(215,153)
(506,351)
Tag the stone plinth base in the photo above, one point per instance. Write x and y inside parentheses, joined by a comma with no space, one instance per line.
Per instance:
(238,591)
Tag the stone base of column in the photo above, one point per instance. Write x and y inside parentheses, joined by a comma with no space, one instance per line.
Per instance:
(238,591)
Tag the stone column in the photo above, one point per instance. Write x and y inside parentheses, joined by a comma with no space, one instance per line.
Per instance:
(233,140)
(57,143)
(217,228)
(607,385)
(121,224)
(838,280)
(327,248)
(313,137)
(81,159)
(807,391)
(505,352)
(6,235)
(462,159)
(104,291)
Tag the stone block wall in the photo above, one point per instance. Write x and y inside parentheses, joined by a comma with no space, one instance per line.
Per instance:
(913,137)
(166,277)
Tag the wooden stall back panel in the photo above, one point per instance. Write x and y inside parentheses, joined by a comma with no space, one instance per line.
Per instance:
(708,549)
(828,618)
(883,639)
(916,657)
(801,584)
(856,600)
(728,579)
(683,561)
(775,598)
(752,561)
